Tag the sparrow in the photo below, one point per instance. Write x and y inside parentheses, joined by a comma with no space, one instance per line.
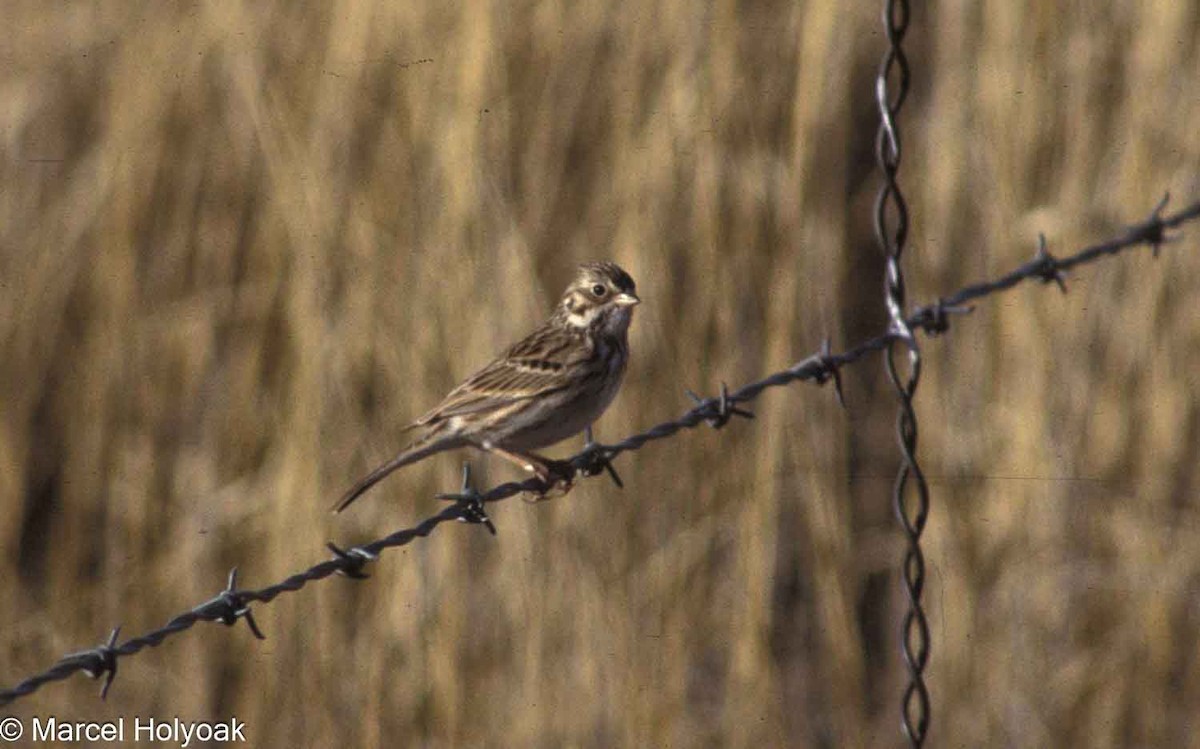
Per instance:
(549,386)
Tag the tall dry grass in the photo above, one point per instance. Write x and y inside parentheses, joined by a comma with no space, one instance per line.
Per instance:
(242,243)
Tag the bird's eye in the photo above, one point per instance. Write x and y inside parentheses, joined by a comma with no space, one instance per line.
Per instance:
(599,291)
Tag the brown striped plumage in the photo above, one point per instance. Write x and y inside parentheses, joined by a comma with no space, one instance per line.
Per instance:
(547,387)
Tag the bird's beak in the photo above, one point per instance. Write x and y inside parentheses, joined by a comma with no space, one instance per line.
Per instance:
(625,299)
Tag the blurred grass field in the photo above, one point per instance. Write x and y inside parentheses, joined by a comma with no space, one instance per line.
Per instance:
(242,244)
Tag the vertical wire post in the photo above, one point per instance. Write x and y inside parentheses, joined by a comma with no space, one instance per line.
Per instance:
(891,231)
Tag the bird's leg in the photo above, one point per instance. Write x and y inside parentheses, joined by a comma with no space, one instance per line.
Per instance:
(529,463)
(557,475)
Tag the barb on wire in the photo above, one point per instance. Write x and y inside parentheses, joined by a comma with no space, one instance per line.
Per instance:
(1048,268)
(938,320)
(831,372)
(1156,232)
(469,502)
(600,460)
(721,408)
(230,605)
(103,661)
(819,368)
(356,558)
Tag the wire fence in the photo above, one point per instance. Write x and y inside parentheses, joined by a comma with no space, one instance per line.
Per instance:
(469,505)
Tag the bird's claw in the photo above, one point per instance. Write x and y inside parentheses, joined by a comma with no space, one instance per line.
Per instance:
(557,478)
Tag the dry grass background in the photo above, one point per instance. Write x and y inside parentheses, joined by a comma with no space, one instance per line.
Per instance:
(242,243)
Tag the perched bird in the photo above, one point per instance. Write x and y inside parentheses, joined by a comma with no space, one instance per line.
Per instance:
(551,385)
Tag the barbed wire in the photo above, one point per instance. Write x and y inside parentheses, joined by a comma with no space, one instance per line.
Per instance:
(231,604)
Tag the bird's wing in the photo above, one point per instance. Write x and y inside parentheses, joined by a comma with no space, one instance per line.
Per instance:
(536,366)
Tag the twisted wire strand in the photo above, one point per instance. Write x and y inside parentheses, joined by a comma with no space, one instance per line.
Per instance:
(233,604)
(910,479)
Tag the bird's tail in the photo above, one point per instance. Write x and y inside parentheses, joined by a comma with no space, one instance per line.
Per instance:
(422,448)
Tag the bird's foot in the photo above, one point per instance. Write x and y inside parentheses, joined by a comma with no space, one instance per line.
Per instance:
(557,477)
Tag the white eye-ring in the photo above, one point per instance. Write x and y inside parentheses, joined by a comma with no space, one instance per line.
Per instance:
(599,291)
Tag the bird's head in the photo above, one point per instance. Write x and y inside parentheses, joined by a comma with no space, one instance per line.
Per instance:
(600,298)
